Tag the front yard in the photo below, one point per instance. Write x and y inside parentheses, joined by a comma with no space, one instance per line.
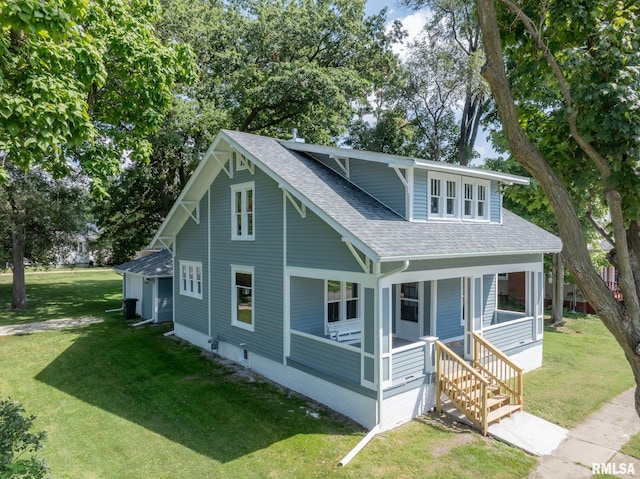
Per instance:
(123,402)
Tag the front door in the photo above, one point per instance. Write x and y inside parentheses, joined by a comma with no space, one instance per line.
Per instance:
(409,322)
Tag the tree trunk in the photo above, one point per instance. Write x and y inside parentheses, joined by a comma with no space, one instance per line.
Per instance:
(557,302)
(19,290)
(622,320)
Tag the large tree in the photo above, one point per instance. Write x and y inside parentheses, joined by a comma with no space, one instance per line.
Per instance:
(266,66)
(574,67)
(82,83)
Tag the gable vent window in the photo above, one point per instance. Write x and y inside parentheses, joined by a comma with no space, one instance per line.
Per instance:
(242,211)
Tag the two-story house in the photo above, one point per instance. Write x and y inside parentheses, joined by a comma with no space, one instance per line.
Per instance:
(333,271)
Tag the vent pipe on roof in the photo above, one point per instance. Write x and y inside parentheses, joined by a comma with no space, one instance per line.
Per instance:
(294,134)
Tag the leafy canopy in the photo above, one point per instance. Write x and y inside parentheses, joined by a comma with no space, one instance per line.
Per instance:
(83,82)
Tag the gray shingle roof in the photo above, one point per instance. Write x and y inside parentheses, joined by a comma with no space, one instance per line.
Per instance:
(154,265)
(385,233)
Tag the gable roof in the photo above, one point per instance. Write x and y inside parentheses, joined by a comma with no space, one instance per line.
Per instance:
(369,225)
(154,265)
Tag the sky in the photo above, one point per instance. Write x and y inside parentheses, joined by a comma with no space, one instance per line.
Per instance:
(413,22)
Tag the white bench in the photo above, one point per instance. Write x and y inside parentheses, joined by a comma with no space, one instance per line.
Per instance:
(348,332)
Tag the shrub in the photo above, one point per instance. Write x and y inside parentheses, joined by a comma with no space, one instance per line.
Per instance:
(17,445)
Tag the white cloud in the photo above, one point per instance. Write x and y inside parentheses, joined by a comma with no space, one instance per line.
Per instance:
(413,24)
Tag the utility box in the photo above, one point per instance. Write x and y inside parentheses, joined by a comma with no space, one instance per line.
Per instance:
(129,308)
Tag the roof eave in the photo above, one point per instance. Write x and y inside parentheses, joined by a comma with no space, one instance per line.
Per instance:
(458,254)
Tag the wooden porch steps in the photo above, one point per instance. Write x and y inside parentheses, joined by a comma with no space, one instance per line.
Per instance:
(504,411)
(484,392)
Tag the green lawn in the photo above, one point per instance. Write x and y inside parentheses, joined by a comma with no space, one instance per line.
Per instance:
(583,367)
(118,401)
(54,295)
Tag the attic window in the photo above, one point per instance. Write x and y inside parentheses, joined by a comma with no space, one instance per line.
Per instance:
(242,212)
(241,162)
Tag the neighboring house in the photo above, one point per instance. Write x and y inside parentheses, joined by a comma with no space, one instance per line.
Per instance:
(79,253)
(149,280)
(333,271)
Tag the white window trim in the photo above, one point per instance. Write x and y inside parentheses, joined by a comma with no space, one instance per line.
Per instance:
(474,203)
(187,287)
(234,297)
(243,188)
(343,303)
(459,198)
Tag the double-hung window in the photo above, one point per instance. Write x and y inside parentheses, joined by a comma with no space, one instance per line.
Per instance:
(343,301)
(242,297)
(242,211)
(191,279)
(443,196)
(475,200)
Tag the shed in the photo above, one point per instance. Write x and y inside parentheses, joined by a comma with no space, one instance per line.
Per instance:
(149,280)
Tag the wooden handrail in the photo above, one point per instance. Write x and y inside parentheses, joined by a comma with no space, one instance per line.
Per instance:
(462,384)
(498,368)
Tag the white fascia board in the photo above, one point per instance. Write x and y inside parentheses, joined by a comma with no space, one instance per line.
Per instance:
(473,254)
(473,172)
(334,151)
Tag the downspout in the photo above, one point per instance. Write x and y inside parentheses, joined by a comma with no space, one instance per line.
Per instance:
(374,431)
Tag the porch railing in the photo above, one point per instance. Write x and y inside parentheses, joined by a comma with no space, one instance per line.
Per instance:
(461,383)
(495,365)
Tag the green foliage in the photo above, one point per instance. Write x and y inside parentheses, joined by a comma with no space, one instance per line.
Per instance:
(49,213)
(597,48)
(87,79)
(17,445)
(272,65)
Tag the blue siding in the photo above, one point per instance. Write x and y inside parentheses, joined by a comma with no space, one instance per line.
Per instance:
(427,308)
(191,245)
(381,182)
(307,305)
(165,299)
(264,254)
(340,362)
(368,322)
(490,285)
(312,243)
(449,309)
(408,365)
(419,194)
(509,336)
(495,203)
(438,264)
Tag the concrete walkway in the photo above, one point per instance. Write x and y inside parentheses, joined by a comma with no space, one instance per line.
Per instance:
(28,328)
(593,445)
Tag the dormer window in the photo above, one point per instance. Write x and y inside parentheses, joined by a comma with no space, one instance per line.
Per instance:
(458,197)
(475,200)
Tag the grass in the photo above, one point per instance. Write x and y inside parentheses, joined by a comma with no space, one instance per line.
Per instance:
(583,367)
(123,402)
(54,295)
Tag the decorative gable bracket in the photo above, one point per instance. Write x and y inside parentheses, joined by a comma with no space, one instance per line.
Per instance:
(224,160)
(343,163)
(168,242)
(300,208)
(193,208)
(365,263)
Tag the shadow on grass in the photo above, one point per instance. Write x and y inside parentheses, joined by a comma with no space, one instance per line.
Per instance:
(174,390)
